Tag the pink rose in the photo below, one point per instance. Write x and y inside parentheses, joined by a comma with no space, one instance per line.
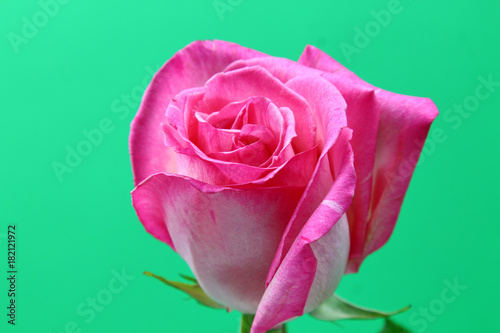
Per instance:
(271,178)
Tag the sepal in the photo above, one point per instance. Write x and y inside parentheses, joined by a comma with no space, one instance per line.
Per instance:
(194,290)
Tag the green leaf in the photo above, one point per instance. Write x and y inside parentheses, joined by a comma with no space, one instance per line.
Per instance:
(392,327)
(246,324)
(335,308)
(193,290)
(185,277)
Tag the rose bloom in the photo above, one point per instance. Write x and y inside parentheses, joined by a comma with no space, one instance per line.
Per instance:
(271,178)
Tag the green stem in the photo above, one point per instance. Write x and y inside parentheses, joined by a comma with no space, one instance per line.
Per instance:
(246,324)
(282,329)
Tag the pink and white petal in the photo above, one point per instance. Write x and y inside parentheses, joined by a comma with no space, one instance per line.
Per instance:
(318,187)
(256,81)
(363,112)
(316,260)
(331,252)
(190,67)
(329,107)
(389,138)
(404,124)
(228,237)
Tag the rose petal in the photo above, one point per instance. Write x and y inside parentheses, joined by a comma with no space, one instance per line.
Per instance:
(404,124)
(192,161)
(315,58)
(214,140)
(363,112)
(329,105)
(196,129)
(389,132)
(333,183)
(190,67)
(315,262)
(297,171)
(203,144)
(253,154)
(362,116)
(231,116)
(281,68)
(228,237)
(251,133)
(240,84)
(284,151)
(195,164)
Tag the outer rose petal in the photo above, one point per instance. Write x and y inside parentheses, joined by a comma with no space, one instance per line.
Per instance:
(190,67)
(313,251)
(329,106)
(362,111)
(389,133)
(315,263)
(227,236)
(404,124)
(363,117)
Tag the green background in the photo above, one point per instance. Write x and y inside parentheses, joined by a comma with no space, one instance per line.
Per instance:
(74,232)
